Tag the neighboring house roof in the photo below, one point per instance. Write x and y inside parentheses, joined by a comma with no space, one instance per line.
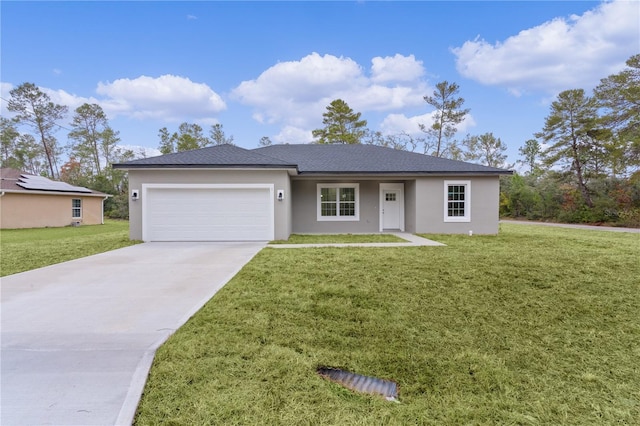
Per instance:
(315,159)
(214,156)
(12,180)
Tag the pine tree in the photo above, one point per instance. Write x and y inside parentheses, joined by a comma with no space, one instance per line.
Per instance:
(341,125)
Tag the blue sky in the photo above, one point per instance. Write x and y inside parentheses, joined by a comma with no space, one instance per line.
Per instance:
(271,68)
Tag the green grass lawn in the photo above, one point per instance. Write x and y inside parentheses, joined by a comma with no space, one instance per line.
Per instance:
(536,326)
(25,249)
(340,239)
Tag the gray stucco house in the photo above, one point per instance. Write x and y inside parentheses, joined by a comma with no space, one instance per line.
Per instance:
(227,193)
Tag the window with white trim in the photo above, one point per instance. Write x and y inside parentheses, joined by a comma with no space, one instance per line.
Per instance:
(338,201)
(457,201)
(76,208)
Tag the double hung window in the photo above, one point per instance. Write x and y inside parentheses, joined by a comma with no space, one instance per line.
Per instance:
(457,201)
(76,208)
(338,201)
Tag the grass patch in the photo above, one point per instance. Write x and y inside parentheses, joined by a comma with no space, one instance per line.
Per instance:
(534,326)
(340,239)
(26,249)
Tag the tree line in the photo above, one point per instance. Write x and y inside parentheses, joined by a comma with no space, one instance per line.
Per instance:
(344,126)
(582,166)
(91,149)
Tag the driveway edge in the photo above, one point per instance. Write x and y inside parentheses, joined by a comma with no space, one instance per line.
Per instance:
(139,380)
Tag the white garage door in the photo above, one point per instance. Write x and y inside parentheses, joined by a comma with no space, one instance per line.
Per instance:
(208,213)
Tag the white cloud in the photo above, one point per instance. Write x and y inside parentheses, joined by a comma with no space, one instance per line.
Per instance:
(70,100)
(296,93)
(170,98)
(57,96)
(292,135)
(565,53)
(396,68)
(167,97)
(394,124)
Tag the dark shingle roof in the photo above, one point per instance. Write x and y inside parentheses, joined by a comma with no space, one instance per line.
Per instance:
(314,159)
(9,179)
(368,159)
(213,156)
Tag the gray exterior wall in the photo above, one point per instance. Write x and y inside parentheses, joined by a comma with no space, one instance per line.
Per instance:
(305,208)
(485,199)
(424,206)
(279,178)
(410,206)
(297,213)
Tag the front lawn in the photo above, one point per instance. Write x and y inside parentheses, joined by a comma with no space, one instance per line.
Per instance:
(534,326)
(25,249)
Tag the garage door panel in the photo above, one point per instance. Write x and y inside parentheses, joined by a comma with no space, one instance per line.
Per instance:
(209,214)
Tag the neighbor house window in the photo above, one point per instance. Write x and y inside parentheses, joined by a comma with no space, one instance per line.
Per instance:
(76,208)
(457,201)
(338,201)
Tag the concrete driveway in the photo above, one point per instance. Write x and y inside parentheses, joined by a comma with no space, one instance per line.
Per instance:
(78,338)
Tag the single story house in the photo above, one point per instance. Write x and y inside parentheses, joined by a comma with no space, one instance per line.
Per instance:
(227,193)
(29,201)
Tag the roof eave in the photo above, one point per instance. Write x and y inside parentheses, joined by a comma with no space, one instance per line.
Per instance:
(41,192)
(204,166)
(408,173)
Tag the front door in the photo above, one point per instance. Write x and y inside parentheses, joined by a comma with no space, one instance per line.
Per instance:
(391,209)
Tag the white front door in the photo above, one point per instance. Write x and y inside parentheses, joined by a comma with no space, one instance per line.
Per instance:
(391,209)
(391,206)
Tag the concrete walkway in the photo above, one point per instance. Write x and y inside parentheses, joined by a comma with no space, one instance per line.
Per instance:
(411,241)
(575,226)
(78,338)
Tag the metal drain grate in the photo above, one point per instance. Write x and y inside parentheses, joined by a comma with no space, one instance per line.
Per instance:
(360,383)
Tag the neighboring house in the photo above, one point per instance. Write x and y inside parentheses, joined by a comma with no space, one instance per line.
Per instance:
(227,193)
(28,201)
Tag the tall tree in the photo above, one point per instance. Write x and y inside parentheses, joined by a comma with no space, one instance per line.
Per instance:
(619,96)
(218,137)
(28,156)
(167,141)
(572,118)
(485,149)
(109,146)
(190,137)
(8,140)
(448,114)
(531,152)
(341,125)
(18,151)
(87,133)
(74,173)
(34,107)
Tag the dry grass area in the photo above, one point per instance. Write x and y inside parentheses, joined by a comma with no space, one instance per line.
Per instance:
(535,326)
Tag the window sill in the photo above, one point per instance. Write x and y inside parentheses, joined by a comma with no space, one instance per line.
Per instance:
(338,218)
(457,219)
